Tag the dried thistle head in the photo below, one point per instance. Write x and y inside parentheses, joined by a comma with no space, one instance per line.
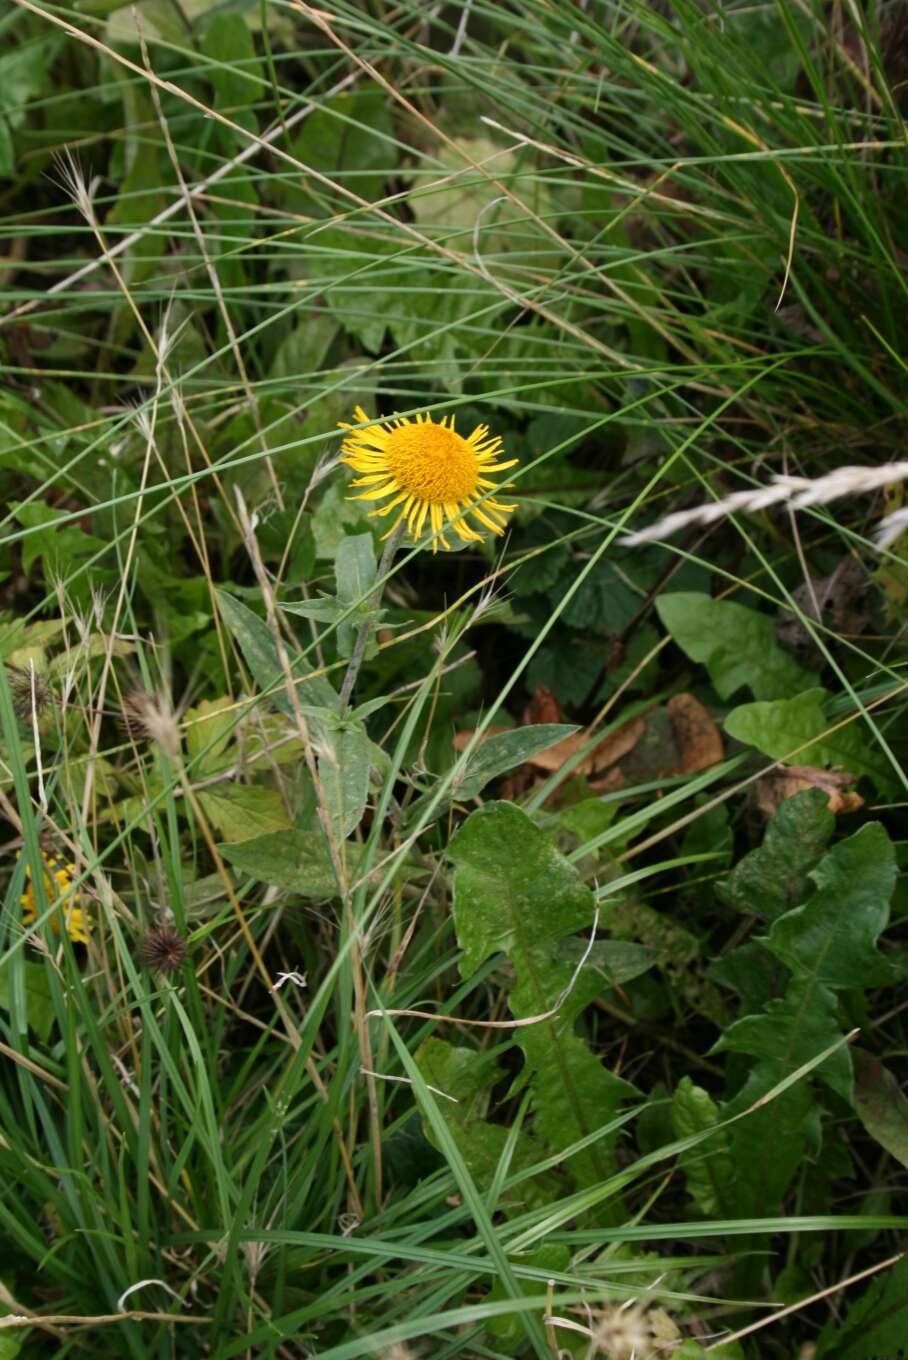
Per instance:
(30,692)
(147,717)
(163,949)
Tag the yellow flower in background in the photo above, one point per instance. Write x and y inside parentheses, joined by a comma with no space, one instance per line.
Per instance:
(58,878)
(429,471)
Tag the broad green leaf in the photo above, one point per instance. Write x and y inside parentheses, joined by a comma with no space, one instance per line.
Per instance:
(769,1147)
(515,892)
(260,653)
(512,888)
(297,861)
(10,1345)
(752,972)
(354,568)
(832,938)
(797,730)
(881,1106)
(737,645)
(678,951)
(324,610)
(615,961)
(343,772)
(468,1077)
(875,1325)
(503,751)
(710,1171)
(24,73)
(774,878)
(61,548)
(141,194)
(334,517)
(212,722)
(20,641)
(234,69)
(348,136)
(239,811)
(575,1094)
(39,1006)
(791,1031)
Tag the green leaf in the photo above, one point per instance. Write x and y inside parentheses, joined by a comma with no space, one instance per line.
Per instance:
(514,891)
(234,69)
(737,645)
(60,548)
(692,1350)
(503,751)
(343,771)
(10,1345)
(39,1006)
(297,861)
(875,1325)
(511,886)
(354,571)
(616,961)
(354,568)
(213,722)
(604,602)
(751,971)
(881,1106)
(468,1077)
(797,730)
(710,1172)
(237,810)
(769,1147)
(791,1031)
(348,136)
(832,938)
(334,517)
(774,878)
(260,653)
(508,1329)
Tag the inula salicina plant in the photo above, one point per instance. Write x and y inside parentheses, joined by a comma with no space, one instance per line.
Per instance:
(452,610)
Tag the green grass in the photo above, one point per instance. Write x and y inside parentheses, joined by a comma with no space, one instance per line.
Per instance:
(660,250)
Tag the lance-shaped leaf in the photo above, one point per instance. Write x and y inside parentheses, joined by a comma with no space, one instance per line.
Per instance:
(881,1106)
(260,654)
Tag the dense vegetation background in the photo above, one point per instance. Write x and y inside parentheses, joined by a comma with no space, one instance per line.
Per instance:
(547,1000)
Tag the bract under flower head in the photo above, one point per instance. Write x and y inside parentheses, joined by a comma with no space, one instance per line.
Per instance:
(58,878)
(430,472)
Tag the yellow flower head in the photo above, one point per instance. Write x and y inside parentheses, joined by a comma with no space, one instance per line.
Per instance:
(430,471)
(58,879)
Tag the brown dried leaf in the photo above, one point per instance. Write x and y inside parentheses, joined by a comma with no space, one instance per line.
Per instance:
(778,785)
(542,708)
(699,739)
(461,740)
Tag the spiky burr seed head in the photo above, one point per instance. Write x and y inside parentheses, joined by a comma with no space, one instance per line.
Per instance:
(30,692)
(163,949)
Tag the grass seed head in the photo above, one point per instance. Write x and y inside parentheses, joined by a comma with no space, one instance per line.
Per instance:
(146,717)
